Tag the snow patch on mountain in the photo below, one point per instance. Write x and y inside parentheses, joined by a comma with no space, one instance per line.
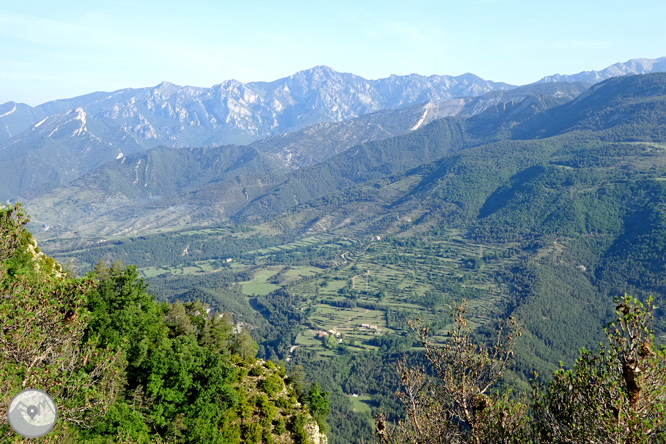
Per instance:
(9,112)
(80,115)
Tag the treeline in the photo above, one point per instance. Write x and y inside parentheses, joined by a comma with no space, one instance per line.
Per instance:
(144,251)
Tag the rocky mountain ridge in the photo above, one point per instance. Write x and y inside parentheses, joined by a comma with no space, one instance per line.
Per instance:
(57,142)
(630,67)
(144,192)
(236,112)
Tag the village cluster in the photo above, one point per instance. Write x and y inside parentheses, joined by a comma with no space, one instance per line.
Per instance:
(324,334)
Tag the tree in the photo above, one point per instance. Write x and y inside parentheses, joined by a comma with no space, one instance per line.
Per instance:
(122,311)
(318,406)
(244,345)
(457,404)
(317,401)
(43,341)
(216,334)
(176,381)
(615,396)
(297,380)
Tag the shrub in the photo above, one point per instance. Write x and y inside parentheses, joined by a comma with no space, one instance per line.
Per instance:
(271,385)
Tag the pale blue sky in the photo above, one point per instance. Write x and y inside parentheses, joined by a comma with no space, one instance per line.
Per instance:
(57,49)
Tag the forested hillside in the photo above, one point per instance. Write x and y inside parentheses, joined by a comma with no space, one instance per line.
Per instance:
(165,188)
(122,367)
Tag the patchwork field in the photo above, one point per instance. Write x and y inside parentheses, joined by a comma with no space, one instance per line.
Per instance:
(363,287)
(371,288)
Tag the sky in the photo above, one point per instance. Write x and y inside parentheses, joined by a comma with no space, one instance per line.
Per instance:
(51,50)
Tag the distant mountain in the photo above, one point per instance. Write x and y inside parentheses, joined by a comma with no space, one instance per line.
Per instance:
(630,108)
(267,192)
(171,115)
(322,141)
(16,118)
(169,186)
(59,149)
(65,145)
(142,189)
(316,143)
(235,112)
(46,146)
(633,66)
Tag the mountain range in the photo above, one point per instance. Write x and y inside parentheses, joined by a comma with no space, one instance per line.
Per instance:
(56,142)
(633,66)
(165,188)
(234,112)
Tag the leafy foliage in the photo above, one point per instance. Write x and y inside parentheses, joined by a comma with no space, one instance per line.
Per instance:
(457,405)
(616,395)
(43,340)
(122,367)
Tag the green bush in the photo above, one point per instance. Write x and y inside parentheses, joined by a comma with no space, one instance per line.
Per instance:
(280,427)
(298,432)
(256,371)
(283,402)
(266,407)
(271,385)
(241,373)
(268,436)
(252,432)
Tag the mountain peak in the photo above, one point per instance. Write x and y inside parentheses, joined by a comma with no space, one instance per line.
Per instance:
(470,77)
(322,68)
(315,72)
(167,87)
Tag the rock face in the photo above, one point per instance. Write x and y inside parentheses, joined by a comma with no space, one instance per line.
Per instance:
(316,437)
(235,112)
(633,66)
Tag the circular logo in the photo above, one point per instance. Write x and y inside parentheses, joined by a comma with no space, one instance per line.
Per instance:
(32,413)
